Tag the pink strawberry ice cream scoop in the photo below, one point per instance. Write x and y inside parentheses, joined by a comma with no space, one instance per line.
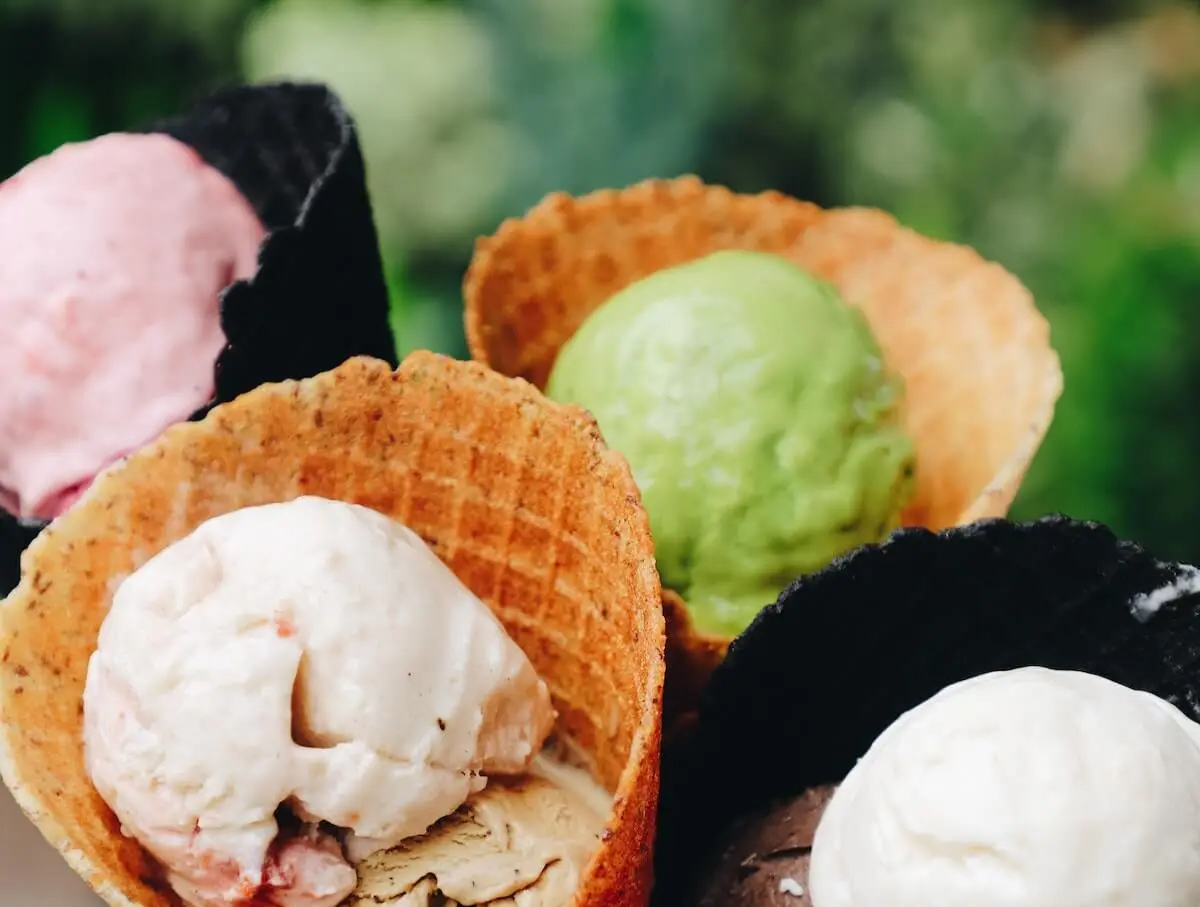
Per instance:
(113,255)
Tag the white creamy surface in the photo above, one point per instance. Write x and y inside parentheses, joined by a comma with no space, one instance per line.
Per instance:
(407,690)
(1025,788)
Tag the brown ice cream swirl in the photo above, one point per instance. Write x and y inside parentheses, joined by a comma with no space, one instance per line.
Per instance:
(765,857)
(521,841)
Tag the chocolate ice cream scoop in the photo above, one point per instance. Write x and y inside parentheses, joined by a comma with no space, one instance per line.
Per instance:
(763,861)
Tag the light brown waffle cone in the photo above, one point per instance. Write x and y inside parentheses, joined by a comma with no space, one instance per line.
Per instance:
(519,496)
(981,377)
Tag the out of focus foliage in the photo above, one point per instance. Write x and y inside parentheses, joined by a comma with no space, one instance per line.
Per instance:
(1061,139)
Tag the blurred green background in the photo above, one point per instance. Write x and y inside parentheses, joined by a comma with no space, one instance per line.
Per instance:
(1059,138)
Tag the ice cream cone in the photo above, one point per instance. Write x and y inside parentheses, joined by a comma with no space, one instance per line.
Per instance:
(518,495)
(815,680)
(981,377)
(319,295)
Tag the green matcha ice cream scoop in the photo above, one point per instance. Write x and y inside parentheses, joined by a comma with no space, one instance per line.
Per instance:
(755,412)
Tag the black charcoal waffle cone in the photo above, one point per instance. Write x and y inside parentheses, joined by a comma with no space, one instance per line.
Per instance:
(319,295)
(820,674)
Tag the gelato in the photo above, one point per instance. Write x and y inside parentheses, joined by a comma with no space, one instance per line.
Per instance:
(760,423)
(124,242)
(1028,788)
(527,838)
(314,655)
(765,859)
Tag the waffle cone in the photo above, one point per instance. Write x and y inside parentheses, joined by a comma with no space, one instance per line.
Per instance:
(516,494)
(981,377)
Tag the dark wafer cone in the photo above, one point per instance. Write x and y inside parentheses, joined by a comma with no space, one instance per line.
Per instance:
(820,674)
(319,295)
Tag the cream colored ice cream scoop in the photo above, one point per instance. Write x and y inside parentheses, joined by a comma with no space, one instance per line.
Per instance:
(1025,788)
(314,654)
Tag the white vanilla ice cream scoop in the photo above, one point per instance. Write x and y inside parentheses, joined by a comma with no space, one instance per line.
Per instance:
(314,654)
(1025,788)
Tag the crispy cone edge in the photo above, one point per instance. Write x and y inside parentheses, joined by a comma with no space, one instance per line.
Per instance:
(982,379)
(517,494)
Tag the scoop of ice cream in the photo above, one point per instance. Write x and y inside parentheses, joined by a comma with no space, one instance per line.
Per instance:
(1026,788)
(755,411)
(115,252)
(528,839)
(313,654)
(764,858)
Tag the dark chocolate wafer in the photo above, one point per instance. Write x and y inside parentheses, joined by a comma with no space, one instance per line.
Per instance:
(319,295)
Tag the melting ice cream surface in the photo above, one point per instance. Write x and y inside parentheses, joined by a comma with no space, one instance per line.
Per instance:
(115,255)
(315,655)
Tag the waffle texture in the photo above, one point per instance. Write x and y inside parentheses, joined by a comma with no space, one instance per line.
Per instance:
(518,495)
(981,377)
